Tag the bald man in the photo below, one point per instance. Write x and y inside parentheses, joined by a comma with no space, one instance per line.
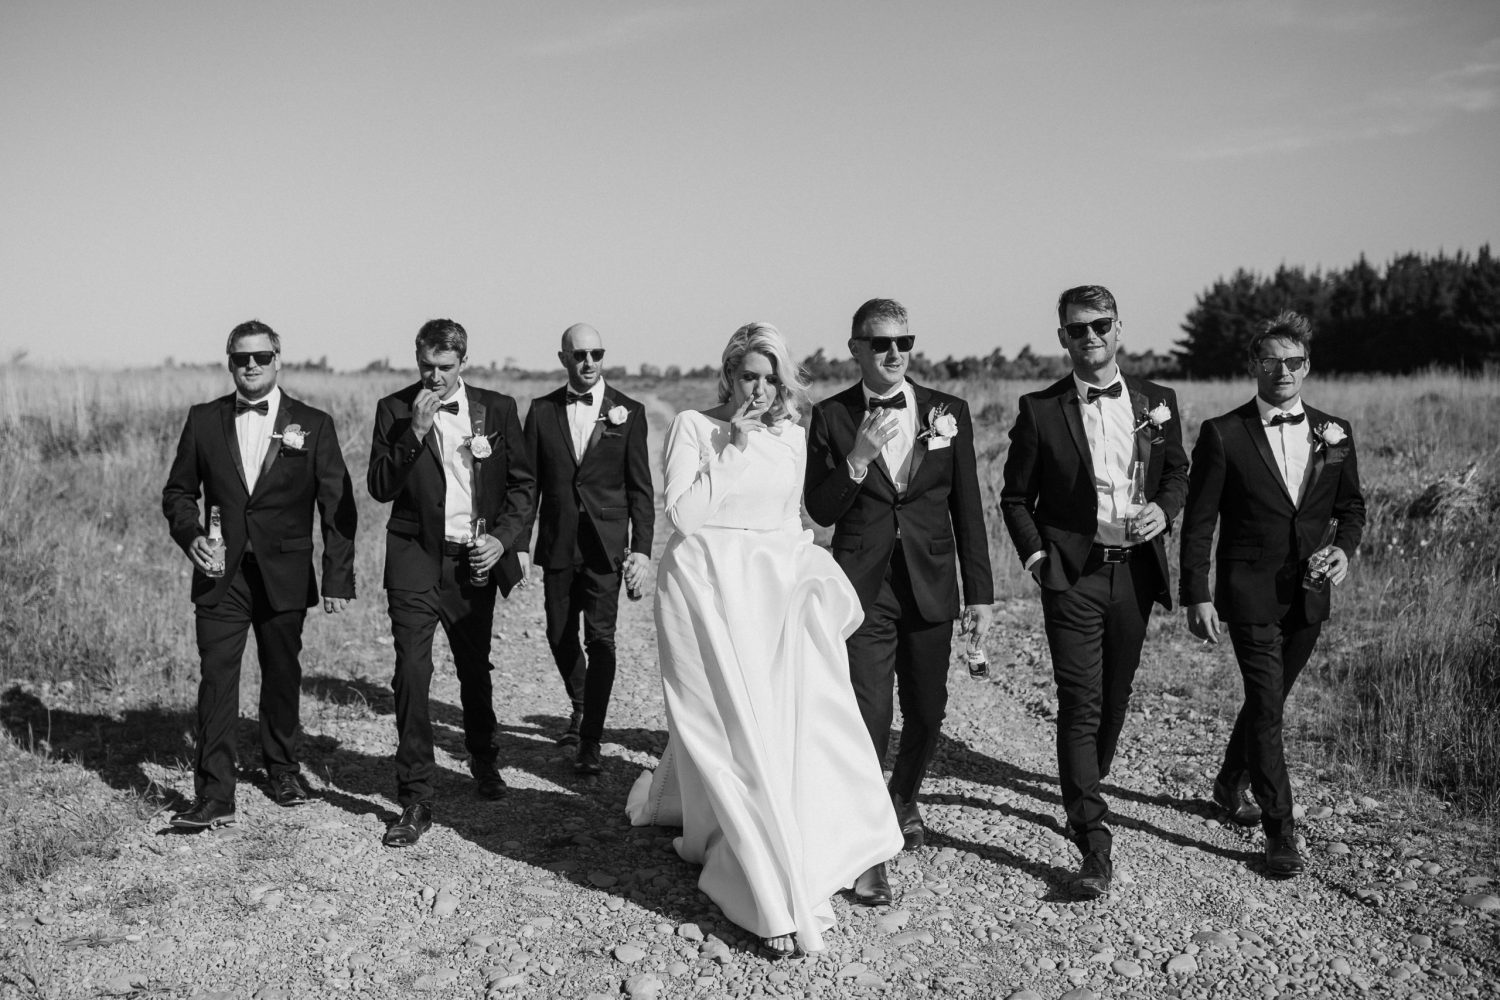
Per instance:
(587,444)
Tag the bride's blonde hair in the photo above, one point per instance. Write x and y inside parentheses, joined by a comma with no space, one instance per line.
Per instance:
(767,341)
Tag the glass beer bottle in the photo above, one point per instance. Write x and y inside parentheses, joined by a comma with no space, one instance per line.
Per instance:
(1316,577)
(477,577)
(1137,501)
(215,543)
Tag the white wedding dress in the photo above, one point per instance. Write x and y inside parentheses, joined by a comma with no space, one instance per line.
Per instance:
(769,769)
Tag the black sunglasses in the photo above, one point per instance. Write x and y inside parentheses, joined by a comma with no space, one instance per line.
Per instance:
(881,345)
(1100,326)
(1269,365)
(241,359)
(597,354)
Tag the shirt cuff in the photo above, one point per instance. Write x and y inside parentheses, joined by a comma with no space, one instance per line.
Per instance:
(1034,558)
(859,478)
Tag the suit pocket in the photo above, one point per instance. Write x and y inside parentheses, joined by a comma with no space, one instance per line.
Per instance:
(940,546)
(296,544)
(613,513)
(406,527)
(848,543)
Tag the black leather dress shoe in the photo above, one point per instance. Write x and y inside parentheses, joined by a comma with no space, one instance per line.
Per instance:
(1094,876)
(1283,860)
(913,833)
(873,887)
(570,737)
(1238,803)
(415,820)
(588,758)
(288,789)
(487,776)
(205,814)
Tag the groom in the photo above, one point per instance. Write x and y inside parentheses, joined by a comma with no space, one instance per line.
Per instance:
(1066,500)
(890,464)
(587,446)
(1271,473)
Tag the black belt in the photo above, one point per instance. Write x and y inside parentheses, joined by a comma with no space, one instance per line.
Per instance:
(1114,553)
(452,548)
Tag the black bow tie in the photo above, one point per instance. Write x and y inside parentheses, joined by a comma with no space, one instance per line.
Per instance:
(586,398)
(450,407)
(896,402)
(245,406)
(1287,418)
(1113,392)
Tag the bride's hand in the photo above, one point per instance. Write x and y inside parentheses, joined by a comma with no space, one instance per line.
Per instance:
(747,421)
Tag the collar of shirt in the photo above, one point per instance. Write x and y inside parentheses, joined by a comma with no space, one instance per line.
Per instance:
(1083,387)
(461,397)
(1267,411)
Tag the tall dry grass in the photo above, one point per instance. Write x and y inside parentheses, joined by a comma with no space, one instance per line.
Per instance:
(93,594)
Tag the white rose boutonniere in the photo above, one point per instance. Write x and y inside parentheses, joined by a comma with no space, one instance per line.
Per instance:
(293,437)
(479,447)
(1156,418)
(1330,435)
(617,415)
(942,426)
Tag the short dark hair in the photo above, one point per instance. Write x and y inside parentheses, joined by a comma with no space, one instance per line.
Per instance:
(252,328)
(877,309)
(1089,296)
(443,335)
(1287,325)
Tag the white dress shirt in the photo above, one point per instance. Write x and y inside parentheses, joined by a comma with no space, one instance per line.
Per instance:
(453,430)
(1291,444)
(253,434)
(1109,425)
(897,451)
(583,416)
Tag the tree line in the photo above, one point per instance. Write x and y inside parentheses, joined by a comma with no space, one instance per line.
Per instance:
(1415,312)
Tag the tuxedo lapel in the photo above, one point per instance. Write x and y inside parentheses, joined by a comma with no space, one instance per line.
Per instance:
(560,412)
(1140,404)
(284,416)
(1316,461)
(232,441)
(477,418)
(1262,445)
(919,443)
(1073,416)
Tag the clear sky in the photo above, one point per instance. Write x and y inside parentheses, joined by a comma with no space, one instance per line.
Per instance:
(669,171)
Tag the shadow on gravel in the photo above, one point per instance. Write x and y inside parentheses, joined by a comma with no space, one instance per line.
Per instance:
(955,758)
(574,827)
(114,748)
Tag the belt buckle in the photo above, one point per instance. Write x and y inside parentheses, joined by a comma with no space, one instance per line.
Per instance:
(1116,554)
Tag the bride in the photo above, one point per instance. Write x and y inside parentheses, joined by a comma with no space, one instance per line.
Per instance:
(768,770)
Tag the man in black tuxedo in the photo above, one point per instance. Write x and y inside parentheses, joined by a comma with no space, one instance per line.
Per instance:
(586,443)
(265,460)
(445,453)
(1096,550)
(890,464)
(1272,473)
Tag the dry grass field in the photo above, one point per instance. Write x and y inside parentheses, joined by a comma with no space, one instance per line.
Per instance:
(94,610)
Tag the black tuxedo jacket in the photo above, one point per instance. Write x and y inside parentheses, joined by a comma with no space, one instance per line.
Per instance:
(277,518)
(1265,534)
(408,474)
(938,518)
(611,487)
(1048,499)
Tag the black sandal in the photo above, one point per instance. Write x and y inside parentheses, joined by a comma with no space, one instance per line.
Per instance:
(774,952)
